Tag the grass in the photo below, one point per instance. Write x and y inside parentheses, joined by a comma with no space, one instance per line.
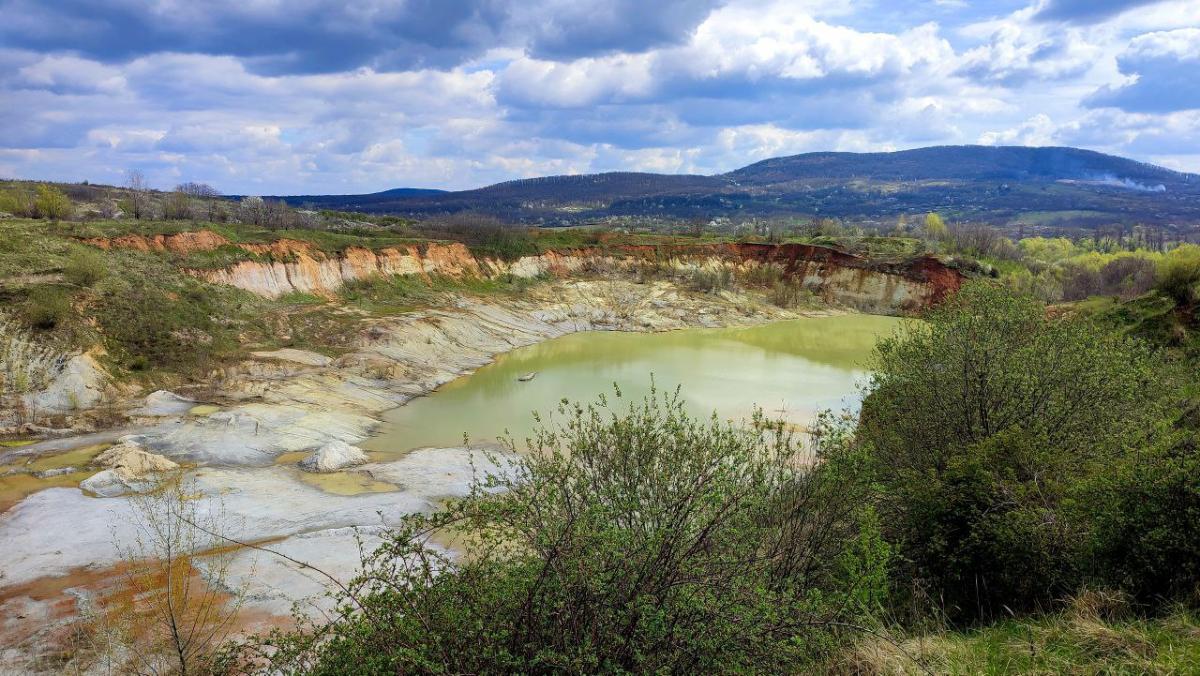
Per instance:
(1095,634)
(1152,317)
(396,295)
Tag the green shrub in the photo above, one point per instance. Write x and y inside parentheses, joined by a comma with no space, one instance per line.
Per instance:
(765,275)
(47,307)
(987,424)
(18,201)
(710,280)
(85,266)
(1179,274)
(149,327)
(789,293)
(1148,537)
(51,203)
(636,541)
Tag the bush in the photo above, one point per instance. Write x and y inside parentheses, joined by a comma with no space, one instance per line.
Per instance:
(1179,274)
(18,201)
(154,328)
(986,425)
(765,275)
(1148,537)
(710,280)
(47,307)
(85,266)
(639,541)
(790,293)
(51,203)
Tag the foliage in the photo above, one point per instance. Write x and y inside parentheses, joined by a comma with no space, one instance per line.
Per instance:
(627,541)
(1148,534)
(165,619)
(935,227)
(51,203)
(789,293)
(46,307)
(18,201)
(1179,274)
(985,424)
(85,266)
(710,279)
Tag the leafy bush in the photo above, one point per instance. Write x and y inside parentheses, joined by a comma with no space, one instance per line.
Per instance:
(85,266)
(1148,537)
(51,203)
(626,541)
(1179,273)
(765,275)
(986,424)
(46,307)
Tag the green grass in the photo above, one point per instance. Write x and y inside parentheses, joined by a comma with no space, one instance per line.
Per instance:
(1067,643)
(396,295)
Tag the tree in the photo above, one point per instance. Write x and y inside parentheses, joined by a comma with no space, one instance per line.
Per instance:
(51,203)
(170,620)
(178,206)
(986,424)
(139,193)
(935,227)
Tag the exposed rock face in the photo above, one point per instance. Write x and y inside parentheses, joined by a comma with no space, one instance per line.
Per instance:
(183,242)
(130,470)
(164,403)
(333,456)
(79,385)
(837,276)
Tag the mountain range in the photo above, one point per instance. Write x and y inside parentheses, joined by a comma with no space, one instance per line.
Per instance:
(998,184)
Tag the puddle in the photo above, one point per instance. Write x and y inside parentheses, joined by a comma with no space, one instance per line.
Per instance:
(203,410)
(17,486)
(349,482)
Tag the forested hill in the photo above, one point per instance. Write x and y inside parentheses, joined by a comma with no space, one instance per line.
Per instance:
(1066,186)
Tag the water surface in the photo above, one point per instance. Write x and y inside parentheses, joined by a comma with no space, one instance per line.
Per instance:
(790,369)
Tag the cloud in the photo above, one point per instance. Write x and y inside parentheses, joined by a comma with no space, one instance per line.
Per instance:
(317,96)
(1163,69)
(1017,52)
(737,53)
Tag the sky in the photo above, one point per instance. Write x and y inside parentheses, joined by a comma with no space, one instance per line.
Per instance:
(354,96)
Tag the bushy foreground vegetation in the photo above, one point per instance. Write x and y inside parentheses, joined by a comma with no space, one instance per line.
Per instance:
(627,540)
(1006,464)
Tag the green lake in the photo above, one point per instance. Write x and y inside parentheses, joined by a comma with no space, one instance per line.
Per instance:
(790,369)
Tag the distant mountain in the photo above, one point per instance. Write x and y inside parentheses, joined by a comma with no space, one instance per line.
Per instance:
(353,202)
(1065,186)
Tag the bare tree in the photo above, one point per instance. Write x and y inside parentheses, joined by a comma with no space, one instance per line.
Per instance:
(172,620)
(139,193)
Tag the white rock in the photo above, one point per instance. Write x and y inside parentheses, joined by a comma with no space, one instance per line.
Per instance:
(163,403)
(132,462)
(334,456)
(78,386)
(111,483)
(296,356)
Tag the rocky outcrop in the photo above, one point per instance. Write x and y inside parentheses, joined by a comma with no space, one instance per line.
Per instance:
(334,456)
(181,242)
(310,271)
(78,385)
(130,469)
(290,266)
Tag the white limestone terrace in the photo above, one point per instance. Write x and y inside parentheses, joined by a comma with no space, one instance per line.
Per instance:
(291,400)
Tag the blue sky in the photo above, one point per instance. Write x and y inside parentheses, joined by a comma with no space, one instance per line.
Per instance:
(316,96)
